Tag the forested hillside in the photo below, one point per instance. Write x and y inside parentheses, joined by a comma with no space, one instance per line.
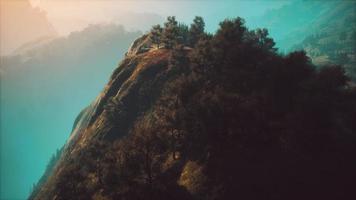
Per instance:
(190,115)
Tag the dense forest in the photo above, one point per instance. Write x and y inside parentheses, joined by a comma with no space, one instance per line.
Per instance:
(192,115)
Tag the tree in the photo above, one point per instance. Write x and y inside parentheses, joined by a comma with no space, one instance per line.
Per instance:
(201,55)
(342,58)
(183,34)
(331,78)
(170,32)
(196,30)
(231,30)
(228,37)
(155,36)
(148,145)
(264,41)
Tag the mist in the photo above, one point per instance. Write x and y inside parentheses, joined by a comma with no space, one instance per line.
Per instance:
(140,14)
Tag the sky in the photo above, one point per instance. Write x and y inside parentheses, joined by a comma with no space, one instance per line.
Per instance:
(21,24)
(69,15)
(27,148)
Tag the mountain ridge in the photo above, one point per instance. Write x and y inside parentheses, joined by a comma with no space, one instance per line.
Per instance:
(227,117)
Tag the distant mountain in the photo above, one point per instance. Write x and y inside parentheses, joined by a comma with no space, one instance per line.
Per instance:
(29,46)
(44,86)
(135,20)
(131,21)
(324,29)
(333,39)
(292,22)
(21,23)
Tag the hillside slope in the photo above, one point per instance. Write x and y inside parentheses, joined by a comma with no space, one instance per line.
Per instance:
(224,118)
(125,86)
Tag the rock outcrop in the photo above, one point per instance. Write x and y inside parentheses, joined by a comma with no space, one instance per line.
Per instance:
(141,45)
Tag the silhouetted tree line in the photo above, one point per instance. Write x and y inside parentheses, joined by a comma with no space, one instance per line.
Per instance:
(174,33)
(48,172)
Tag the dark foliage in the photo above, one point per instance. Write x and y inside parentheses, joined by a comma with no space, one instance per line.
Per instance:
(170,32)
(156,33)
(175,34)
(196,30)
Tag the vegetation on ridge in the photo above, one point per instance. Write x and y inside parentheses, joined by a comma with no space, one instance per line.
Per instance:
(236,121)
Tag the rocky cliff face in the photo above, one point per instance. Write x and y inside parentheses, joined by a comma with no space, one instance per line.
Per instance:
(132,89)
(140,45)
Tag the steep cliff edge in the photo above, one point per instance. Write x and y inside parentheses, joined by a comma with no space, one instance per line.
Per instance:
(124,88)
(226,118)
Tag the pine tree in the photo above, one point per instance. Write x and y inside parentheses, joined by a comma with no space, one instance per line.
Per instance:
(196,30)
(183,34)
(170,32)
(264,41)
(155,36)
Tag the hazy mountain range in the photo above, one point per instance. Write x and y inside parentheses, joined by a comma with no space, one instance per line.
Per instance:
(21,23)
(293,22)
(324,29)
(46,87)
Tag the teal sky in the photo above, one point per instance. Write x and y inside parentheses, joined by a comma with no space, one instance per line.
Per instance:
(215,11)
(38,110)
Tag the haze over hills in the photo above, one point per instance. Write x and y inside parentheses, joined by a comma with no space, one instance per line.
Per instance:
(45,87)
(72,15)
(291,23)
(68,16)
(21,23)
(332,39)
(324,29)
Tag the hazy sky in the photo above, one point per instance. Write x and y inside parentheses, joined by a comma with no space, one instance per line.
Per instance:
(68,15)
(21,23)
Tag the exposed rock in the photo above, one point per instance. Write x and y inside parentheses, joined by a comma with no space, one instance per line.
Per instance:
(125,86)
(141,45)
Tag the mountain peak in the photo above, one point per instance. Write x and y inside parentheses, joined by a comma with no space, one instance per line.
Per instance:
(218,116)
